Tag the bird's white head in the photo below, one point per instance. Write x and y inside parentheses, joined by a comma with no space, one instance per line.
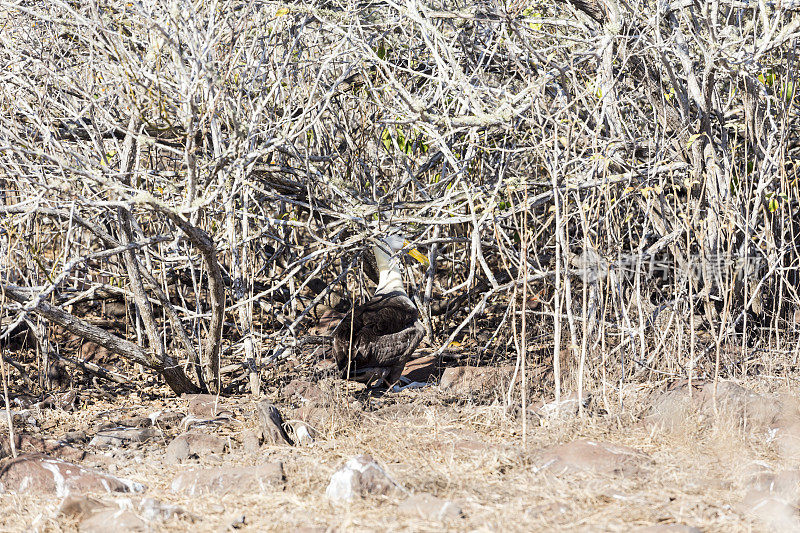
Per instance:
(395,241)
(388,262)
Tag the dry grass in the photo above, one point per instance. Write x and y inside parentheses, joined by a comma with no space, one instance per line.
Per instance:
(470,454)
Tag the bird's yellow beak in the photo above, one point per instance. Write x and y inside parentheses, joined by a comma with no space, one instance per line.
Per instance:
(419,256)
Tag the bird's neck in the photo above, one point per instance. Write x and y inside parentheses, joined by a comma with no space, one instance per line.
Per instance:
(391,279)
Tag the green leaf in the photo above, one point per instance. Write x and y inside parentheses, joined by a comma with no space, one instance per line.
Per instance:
(767,77)
(401,141)
(773,205)
(530,13)
(787,92)
(386,139)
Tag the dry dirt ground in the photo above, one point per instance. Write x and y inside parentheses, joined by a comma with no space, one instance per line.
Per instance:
(668,457)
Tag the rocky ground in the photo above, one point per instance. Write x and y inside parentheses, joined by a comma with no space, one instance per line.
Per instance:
(327,455)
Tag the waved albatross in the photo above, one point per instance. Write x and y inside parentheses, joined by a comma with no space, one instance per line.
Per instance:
(385,330)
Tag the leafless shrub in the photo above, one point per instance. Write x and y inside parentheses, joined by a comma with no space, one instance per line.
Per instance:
(222,165)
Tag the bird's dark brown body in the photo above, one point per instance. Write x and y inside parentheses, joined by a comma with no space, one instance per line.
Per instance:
(385,332)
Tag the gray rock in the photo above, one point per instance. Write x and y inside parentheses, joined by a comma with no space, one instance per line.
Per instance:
(72,437)
(194,444)
(79,506)
(596,456)
(166,419)
(208,406)
(305,391)
(359,477)
(42,474)
(156,510)
(316,417)
(260,478)
(116,520)
(136,422)
(251,442)
(771,509)
(671,408)
(475,380)
(785,484)
(25,443)
(772,498)
(124,436)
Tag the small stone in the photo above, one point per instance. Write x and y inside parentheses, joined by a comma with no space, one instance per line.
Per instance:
(670,409)
(429,507)
(136,422)
(772,498)
(472,379)
(207,406)
(326,366)
(260,478)
(116,520)
(359,477)
(786,483)
(251,442)
(43,474)
(79,506)
(72,437)
(771,509)
(594,456)
(66,401)
(122,436)
(305,391)
(193,444)
(166,419)
(25,443)
(316,417)
(152,509)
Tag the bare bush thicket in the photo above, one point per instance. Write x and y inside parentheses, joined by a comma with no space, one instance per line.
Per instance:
(624,171)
